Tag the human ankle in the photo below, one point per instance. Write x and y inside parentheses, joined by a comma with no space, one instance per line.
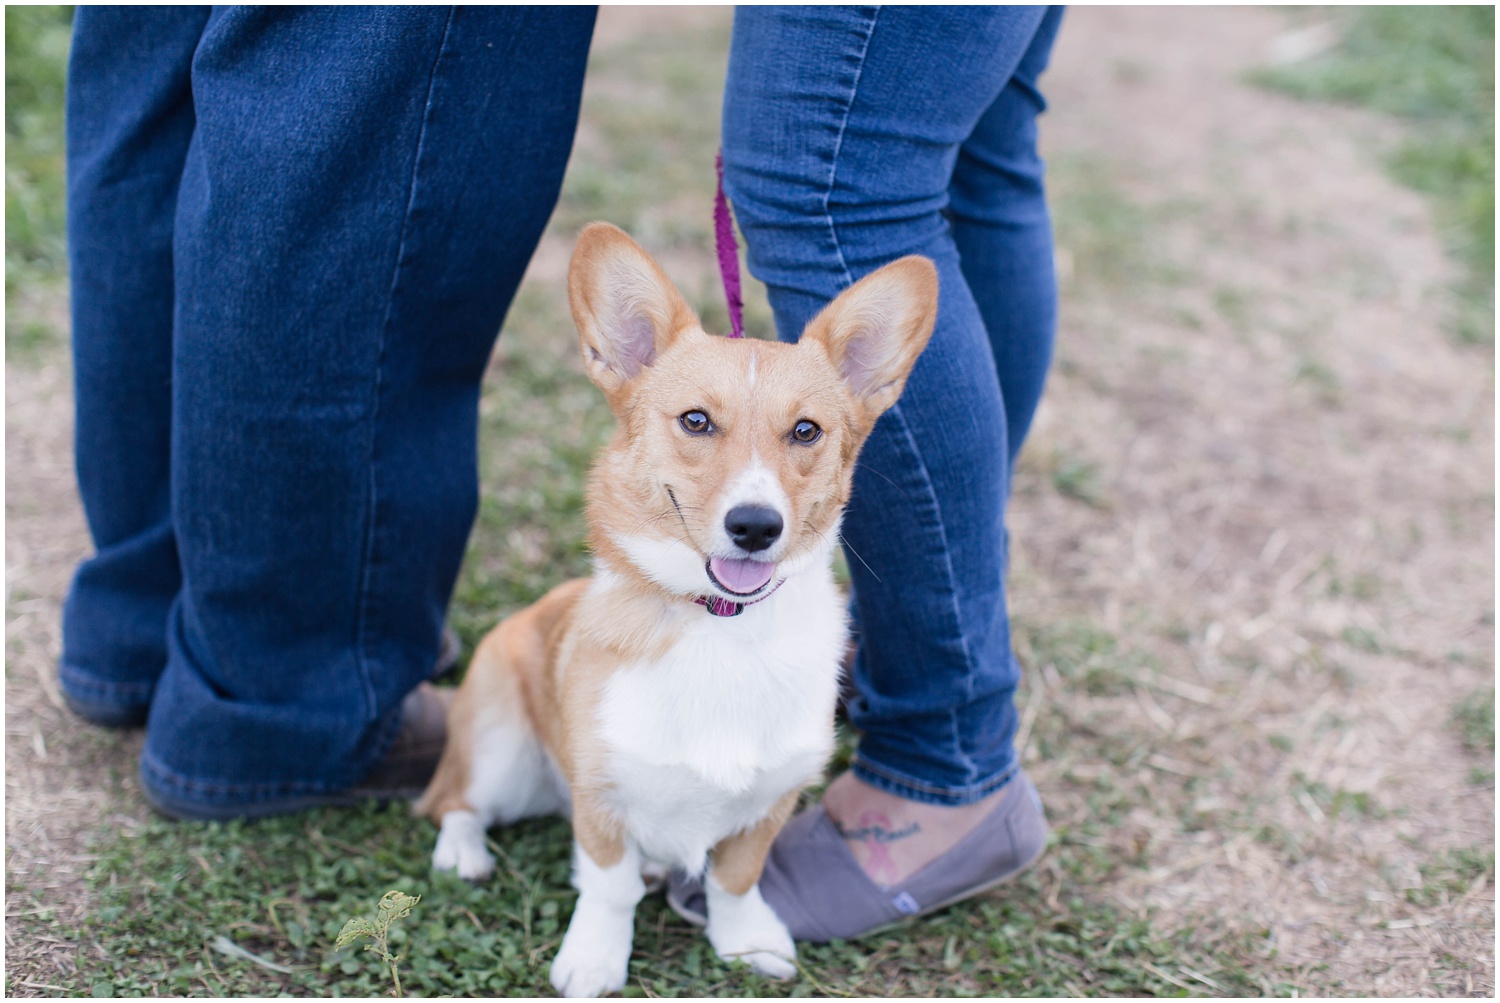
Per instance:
(892,837)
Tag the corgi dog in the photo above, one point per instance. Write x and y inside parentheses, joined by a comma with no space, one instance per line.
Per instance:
(675,704)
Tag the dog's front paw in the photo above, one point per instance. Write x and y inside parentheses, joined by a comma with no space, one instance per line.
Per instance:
(583,970)
(460,847)
(770,964)
(750,932)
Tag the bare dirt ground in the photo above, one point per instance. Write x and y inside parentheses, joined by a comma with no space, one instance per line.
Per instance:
(1262,470)
(1293,510)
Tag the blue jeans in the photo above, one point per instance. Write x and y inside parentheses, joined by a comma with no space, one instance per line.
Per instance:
(294,234)
(853,136)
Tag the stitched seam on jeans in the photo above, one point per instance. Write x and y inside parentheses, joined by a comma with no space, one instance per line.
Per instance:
(937,509)
(862,764)
(374,498)
(189,787)
(77,679)
(838,145)
(849,280)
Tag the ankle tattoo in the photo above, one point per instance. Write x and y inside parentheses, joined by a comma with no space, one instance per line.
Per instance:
(874,829)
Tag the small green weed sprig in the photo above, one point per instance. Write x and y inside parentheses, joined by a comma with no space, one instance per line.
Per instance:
(393,906)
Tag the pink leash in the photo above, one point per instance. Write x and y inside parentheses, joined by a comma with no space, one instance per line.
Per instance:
(729,254)
(729,271)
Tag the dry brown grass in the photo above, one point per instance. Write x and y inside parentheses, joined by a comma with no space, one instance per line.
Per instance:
(65,783)
(1292,475)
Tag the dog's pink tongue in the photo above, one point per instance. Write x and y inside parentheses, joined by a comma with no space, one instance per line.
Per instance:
(742,576)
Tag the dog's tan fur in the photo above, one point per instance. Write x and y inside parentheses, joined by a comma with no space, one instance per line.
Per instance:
(508,669)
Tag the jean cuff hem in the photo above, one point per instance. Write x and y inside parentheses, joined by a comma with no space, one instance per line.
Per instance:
(186,796)
(913,789)
(90,688)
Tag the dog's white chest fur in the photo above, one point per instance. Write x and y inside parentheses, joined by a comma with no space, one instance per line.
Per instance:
(704,740)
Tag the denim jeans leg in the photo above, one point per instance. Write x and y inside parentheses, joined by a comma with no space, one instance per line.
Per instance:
(129,122)
(363,191)
(998,210)
(842,128)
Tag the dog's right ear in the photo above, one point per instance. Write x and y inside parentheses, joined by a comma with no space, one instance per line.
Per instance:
(626,310)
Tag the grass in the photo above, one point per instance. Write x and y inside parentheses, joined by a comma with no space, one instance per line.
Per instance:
(36,49)
(1103,229)
(541,422)
(1453,873)
(1434,68)
(1085,656)
(280,891)
(1474,718)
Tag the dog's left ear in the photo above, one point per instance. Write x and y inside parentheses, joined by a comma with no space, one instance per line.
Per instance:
(626,310)
(876,328)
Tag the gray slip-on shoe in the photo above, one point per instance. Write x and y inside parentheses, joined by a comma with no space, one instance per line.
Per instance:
(821,893)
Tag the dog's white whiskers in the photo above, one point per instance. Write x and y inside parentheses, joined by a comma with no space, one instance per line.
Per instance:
(845,541)
(652,521)
(866,466)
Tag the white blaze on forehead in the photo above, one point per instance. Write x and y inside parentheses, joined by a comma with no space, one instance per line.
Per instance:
(750,377)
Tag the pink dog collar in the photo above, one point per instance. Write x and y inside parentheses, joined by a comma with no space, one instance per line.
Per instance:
(719,606)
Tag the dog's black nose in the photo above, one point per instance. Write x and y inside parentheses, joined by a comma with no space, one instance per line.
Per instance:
(753,527)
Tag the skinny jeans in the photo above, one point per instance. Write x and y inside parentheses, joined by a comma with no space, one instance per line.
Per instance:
(294,235)
(853,136)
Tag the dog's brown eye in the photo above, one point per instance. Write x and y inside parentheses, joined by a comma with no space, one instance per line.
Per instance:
(695,423)
(805,432)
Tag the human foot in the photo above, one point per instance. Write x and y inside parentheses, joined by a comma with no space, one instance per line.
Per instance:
(892,837)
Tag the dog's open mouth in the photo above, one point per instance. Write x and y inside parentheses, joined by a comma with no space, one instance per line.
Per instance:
(740,576)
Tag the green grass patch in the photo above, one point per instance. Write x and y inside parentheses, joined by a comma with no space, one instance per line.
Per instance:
(1336,801)
(1099,225)
(1077,478)
(541,422)
(1451,874)
(1433,67)
(256,909)
(1474,719)
(1363,640)
(36,51)
(1084,655)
